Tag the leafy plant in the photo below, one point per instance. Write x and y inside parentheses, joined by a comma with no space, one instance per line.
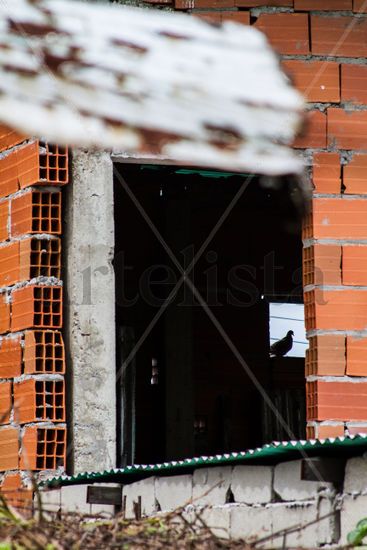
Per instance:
(355,537)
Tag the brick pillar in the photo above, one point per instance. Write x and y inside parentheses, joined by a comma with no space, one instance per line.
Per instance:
(32,363)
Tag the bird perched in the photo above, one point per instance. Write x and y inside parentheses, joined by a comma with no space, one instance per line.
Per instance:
(283,346)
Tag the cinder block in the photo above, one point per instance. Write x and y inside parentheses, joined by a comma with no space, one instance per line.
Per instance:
(36,306)
(287,516)
(43,448)
(355,480)
(36,212)
(5,402)
(289,486)
(51,500)
(74,499)
(144,491)
(39,400)
(173,492)
(217,518)
(251,523)
(211,485)
(252,484)
(9,447)
(352,511)
(43,352)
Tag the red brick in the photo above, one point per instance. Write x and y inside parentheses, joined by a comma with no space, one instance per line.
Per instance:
(36,306)
(336,400)
(9,448)
(327,431)
(326,355)
(17,494)
(237,16)
(4,217)
(4,313)
(29,258)
(19,169)
(338,36)
(5,402)
(36,212)
(339,218)
(358,429)
(9,138)
(355,175)
(354,83)
(327,173)
(355,265)
(318,81)
(39,400)
(356,356)
(335,309)
(10,357)
(347,129)
(323,5)
(267,3)
(221,16)
(322,265)
(211,16)
(287,32)
(360,6)
(314,134)
(43,448)
(192,4)
(43,352)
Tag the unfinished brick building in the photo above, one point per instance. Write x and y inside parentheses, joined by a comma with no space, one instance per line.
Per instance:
(323,49)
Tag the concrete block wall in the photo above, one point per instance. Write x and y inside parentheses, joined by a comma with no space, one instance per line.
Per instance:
(247,502)
(32,357)
(322,47)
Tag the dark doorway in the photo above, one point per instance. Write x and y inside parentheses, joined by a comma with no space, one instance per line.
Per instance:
(183,391)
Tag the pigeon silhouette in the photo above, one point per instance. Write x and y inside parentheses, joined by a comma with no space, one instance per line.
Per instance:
(283,346)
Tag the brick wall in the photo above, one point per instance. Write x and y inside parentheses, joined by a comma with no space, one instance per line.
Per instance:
(322,46)
(32,361)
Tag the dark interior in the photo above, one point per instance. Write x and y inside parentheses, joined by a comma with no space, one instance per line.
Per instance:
(184,392)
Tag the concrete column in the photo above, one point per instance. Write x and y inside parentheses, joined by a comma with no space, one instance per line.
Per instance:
(90,312)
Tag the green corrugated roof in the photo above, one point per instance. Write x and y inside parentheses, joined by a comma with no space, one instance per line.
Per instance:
(270,453)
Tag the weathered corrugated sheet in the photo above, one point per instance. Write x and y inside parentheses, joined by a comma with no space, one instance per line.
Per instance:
(278,451)
(145,81)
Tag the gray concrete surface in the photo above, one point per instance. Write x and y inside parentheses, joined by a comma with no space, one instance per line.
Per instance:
(90,312)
